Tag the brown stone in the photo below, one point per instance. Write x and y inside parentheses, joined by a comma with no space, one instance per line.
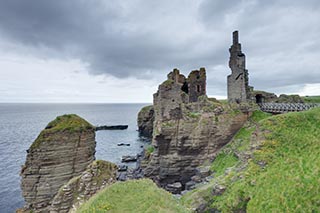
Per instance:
(62,151)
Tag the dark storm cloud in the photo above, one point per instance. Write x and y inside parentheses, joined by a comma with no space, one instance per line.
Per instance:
(140,38)
(109,36)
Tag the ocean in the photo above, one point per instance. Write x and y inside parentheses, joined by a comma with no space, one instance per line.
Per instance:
(20,124)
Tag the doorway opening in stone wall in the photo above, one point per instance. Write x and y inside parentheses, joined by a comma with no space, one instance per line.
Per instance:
(259,99)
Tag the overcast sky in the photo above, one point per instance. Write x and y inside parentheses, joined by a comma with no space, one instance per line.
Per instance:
(119,51)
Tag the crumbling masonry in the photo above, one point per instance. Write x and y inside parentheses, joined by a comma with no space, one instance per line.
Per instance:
(238,86)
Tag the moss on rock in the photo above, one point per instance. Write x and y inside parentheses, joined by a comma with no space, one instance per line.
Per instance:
(64,123)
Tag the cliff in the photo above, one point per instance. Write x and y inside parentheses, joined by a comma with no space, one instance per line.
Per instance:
(187,131)
(63,150)
(71,195)
(271,165)
(145,121)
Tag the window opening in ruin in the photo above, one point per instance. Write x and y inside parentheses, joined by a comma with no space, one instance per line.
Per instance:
(185,88)
(198,88)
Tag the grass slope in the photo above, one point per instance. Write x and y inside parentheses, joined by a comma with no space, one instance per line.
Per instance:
(281,175)
(311,99)
(133,196)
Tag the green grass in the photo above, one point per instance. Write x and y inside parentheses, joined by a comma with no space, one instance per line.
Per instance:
(193,114)
(146,109)
(283,175)
(70,123)
(222,162)
(223,101)
(148,150)
(242,138)
(258,115)
(311,99)
(167,83)
(132,196)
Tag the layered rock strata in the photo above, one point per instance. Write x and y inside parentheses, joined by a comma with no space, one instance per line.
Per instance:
(187,133)
(63,150)
(98,175)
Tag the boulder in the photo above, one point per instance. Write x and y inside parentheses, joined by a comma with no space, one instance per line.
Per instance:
(174,188)
(129,158)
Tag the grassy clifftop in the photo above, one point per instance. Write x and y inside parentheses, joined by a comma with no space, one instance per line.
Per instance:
(272,165)
(133,196)
(68,122)
(65,123)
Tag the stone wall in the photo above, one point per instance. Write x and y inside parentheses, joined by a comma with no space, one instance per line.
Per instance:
(238,81)
(196,84)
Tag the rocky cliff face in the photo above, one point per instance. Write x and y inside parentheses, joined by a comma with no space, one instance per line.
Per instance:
(98,175)
(186,134)
(145,121)
(63,150)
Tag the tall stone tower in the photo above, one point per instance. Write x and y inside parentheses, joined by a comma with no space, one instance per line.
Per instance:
(238,86)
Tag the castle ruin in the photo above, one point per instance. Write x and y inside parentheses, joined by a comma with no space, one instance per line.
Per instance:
(194,85)
(238,81)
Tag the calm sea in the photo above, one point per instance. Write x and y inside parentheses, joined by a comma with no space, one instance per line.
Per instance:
(20,124)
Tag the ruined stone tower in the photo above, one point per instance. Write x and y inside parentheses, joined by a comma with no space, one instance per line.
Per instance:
(238,86)
(197,84)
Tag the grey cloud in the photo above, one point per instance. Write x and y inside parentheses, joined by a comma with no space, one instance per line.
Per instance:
(112,38)
(279,39)
(136,37)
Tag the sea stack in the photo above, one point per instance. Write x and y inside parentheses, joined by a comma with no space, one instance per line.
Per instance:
(62,151)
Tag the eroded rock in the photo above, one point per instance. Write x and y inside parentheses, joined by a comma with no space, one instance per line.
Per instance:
(145,121)
(62,151)
(186,133)
(97,176)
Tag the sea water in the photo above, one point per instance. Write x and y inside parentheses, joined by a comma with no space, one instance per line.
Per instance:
(20,124)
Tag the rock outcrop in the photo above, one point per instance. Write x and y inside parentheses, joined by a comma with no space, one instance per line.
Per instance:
(187,132)
(63,150)
(98,175)
(145,121)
